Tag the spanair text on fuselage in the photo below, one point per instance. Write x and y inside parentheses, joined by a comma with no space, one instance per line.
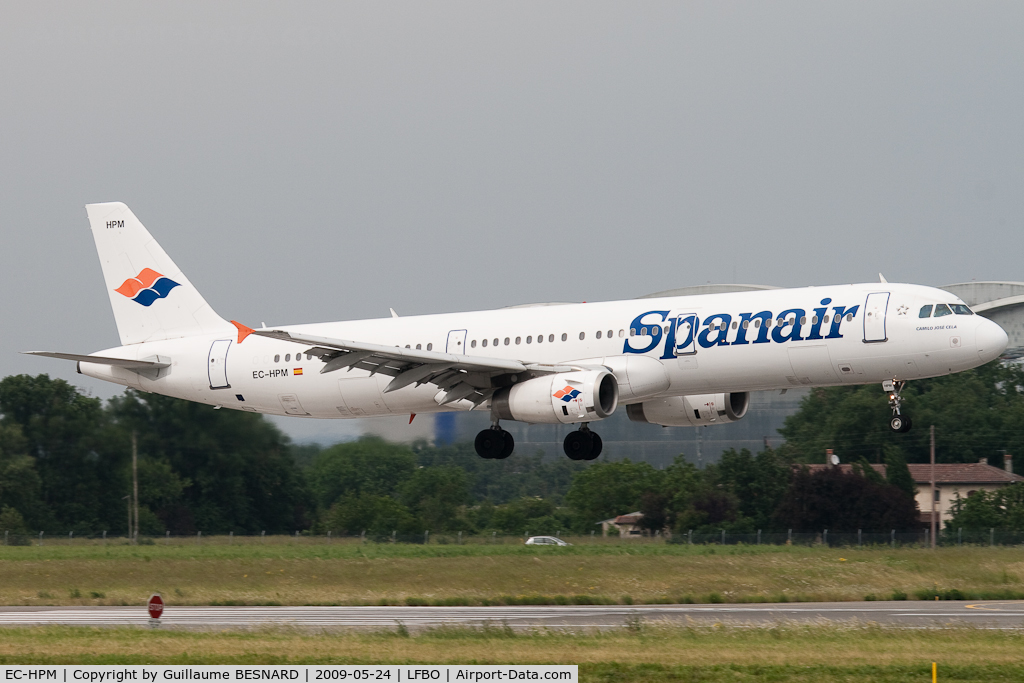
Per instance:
(568,363)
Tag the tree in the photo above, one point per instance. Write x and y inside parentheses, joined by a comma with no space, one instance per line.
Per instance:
(1002,509)
(233,469)
(20,486)
(369,465)
(758,483)
(434,495)
(897,473)
(975,414)
(504,481)
(608,489)
(844,502)
(81,466)
(377,515)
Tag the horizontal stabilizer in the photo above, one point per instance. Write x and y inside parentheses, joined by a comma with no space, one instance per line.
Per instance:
(104,360)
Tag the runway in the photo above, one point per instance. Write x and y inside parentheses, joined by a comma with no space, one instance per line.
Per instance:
(991,615)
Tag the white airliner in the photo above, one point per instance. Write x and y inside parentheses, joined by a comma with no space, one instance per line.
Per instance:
(674,361)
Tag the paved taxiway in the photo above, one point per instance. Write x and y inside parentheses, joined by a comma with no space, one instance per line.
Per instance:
(999,615)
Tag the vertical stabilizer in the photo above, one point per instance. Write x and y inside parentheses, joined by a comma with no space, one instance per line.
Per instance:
(151,298)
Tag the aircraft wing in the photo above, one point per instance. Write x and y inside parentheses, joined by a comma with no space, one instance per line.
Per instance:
(461,377)
(103,360)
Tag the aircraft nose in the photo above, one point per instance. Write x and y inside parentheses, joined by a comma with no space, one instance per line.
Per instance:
(991,340)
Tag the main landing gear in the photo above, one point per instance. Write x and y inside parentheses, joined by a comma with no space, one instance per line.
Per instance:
(494,443)
(898,423)
(582,444)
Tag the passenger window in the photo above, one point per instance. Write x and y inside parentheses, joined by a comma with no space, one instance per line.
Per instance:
(757,323)
(941,310)
(519,340)
(610,335)
(495,341)
(926,312)
(529,340)
(582,335)
(507,341)
(735,324)
(277,358)
(643,331)
(484,343)
(814,320)
(746,324)
(540,338)
(803,320)
(564,336)
(622,333)
(406,346)
(551,337)
(287,357)
(472,344)
(419,347)
(849,317)
(825,320)
(632,332)
(309,356)
(430,347)
(960,309)
(598,335)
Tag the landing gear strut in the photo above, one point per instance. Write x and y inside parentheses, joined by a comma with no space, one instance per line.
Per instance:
(582,444)
(898,423)
(494,443)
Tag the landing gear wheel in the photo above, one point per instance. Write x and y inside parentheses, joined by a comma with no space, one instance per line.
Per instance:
(578,445)
(509,446)
(490,444)
(595,447)
(900,423)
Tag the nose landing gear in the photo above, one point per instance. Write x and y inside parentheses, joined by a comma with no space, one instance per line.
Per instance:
(582,444)
(898,423)
(494,443)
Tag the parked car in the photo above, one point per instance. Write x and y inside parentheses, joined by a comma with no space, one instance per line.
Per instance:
(545,540)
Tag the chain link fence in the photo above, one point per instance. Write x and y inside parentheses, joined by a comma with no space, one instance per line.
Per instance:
(823,538)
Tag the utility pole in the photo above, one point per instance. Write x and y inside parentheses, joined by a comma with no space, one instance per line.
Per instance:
(135,487)
(934,521)
(700,439)
(129,532)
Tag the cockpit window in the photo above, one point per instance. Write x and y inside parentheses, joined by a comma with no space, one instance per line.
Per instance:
(960,309)
(926,311)
(941,310)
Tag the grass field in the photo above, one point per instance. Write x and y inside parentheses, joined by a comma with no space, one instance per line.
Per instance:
(293,572)
(649,653)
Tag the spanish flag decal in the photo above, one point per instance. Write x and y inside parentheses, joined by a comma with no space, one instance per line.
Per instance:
(298,371)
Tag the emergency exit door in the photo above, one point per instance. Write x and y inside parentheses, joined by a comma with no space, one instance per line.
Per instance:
(874,317)
(218,364)
(456,342)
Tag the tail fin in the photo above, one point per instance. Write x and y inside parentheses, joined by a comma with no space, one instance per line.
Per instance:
(152,299)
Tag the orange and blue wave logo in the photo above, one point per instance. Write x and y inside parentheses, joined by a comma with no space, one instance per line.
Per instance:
(567,394)
(147,287)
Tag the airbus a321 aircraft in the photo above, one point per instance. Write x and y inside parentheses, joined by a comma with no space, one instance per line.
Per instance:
(674,361)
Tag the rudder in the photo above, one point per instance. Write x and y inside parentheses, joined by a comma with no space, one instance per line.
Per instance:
(150,296)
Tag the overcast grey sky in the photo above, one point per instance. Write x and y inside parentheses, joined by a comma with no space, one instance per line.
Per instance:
(309,161)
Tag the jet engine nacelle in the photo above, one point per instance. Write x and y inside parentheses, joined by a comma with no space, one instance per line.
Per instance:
(691,411)
(567,397)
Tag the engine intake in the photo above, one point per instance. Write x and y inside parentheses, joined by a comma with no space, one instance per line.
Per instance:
(691,411)
(563,398)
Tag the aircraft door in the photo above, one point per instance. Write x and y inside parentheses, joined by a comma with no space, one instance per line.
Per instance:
(686,334)
(218,364)
(874,317)
(456,342)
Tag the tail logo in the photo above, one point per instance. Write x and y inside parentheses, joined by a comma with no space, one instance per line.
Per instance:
(567,394)
(147,287)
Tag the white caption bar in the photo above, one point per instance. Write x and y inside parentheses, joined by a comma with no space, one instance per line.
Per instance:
(418,673)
